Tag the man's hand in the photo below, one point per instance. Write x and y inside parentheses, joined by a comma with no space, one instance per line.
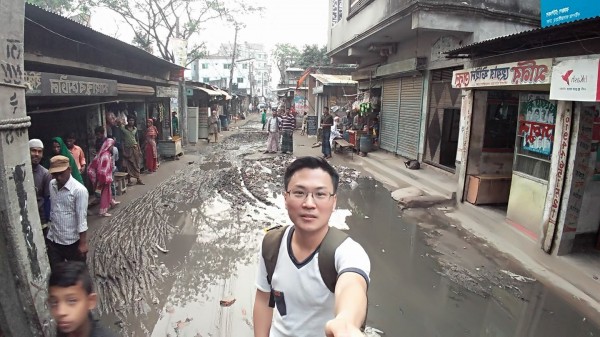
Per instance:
(83,248)
(338,327)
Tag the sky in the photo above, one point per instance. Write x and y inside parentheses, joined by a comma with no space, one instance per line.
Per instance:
(298,22)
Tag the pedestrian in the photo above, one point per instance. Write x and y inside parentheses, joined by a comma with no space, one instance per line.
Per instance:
(304,123)
(213,122)
(59,148)
(175,123)
(100,172)
(305,305)
(131,150)
(76,151)
(150,150)
(273,130)
(71,298)
(41,182)
(100,137)
(263,118)
(326,124)
(288,124)
(67,239)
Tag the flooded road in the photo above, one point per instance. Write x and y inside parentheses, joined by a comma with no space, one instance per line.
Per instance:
(166,260)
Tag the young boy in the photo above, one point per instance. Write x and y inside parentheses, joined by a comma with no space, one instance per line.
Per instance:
(71,299)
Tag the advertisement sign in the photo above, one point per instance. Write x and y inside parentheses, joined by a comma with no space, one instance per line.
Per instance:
(508,74)
(537,117)
(48,84)
(576,80)
(555,12)
(167,91)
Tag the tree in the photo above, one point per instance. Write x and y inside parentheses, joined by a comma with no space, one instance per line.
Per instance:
(285,55)
(312,55)
(161,24)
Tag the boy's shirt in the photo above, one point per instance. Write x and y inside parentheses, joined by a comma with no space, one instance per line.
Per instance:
(96,331)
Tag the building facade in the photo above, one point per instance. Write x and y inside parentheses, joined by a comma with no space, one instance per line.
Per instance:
(400,48)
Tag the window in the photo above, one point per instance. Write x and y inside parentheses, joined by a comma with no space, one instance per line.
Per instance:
(356,6)
(240,80)
(205,79)
(535,135)
(204,65)
(227,66)
(336,11)
(245,66)
(501,121)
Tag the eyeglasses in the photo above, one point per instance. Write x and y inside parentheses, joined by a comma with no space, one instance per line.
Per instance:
(318,196)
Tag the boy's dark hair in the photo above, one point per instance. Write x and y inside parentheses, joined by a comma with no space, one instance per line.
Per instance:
(70,135)
(99,129)
(310,163)
(68,274)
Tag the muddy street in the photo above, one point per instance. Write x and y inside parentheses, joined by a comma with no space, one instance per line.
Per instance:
(166,260)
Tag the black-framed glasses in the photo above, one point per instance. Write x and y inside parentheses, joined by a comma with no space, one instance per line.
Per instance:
(318,196)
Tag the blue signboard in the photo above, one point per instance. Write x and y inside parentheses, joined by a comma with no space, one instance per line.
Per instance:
(555,12)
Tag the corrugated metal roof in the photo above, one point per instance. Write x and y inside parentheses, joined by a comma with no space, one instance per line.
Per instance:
(565,28)
(328,79)
(71,29)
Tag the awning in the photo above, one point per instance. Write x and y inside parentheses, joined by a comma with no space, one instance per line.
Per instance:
(335,80)
(223,93)
(210,92)
(132,89)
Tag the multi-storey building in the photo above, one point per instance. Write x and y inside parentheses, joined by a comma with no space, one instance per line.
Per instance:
(400,47)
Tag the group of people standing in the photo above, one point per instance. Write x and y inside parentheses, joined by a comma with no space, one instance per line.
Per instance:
(280,129)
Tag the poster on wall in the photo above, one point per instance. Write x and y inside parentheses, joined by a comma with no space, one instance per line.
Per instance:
(594,109)
(537,117)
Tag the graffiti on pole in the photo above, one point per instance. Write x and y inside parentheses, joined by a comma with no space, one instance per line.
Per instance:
(12,72)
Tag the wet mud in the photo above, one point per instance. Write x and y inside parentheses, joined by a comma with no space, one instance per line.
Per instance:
(164,263)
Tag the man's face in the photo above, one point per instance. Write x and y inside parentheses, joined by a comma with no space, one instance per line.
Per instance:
(99,135)
(326,111)
(70,306)
(62,177)
(111,119)
(56,148)
(36,155)
(70,142)
(130,122)
(310,214)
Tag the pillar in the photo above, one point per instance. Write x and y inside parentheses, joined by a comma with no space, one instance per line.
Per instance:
(24,265)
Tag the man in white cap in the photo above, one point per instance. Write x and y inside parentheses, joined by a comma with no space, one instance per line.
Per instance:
(67,239)
(41,181)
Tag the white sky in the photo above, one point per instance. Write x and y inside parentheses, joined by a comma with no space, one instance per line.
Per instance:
(297,22)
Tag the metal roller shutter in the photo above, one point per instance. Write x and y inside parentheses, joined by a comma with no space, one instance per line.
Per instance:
(409,122)
(389,115)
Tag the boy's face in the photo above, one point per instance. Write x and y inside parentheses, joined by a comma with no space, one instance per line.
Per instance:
(70,306)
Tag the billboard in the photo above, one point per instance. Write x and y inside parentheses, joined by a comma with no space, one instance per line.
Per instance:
(555,12)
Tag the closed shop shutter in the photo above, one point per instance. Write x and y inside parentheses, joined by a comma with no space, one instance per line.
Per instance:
(439,147)
(409,122)
(389,115)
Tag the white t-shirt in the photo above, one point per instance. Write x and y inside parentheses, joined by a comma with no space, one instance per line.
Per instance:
(308,302)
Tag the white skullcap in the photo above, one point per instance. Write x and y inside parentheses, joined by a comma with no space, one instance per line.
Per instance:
(36,143)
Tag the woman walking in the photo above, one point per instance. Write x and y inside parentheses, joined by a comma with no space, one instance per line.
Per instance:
(100,172)
(150,151)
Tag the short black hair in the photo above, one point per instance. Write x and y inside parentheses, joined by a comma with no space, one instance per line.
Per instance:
(99,129)
(325,108)
(310,162)
(68,274)
(70,135)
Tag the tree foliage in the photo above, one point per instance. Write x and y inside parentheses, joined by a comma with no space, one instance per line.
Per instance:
(312,55)
(159,24)
(285,55)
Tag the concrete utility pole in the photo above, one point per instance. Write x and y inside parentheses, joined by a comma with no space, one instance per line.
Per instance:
(24,264)
(237,28)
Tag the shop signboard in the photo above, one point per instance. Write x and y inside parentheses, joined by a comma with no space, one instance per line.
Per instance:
(576,80)
(555,12)
(48,84)
(311,125)
(509,74)
(167,91)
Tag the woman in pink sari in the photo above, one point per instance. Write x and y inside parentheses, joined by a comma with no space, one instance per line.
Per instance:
(150,150)
(100,172)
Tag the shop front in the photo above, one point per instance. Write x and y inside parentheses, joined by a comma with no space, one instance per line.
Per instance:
(401,100)
(508,125)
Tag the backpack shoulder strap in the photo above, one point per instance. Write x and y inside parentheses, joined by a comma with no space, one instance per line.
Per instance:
(333,239)
(270,249)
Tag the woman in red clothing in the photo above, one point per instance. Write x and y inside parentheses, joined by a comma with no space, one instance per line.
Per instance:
(100,172)
(150,150)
